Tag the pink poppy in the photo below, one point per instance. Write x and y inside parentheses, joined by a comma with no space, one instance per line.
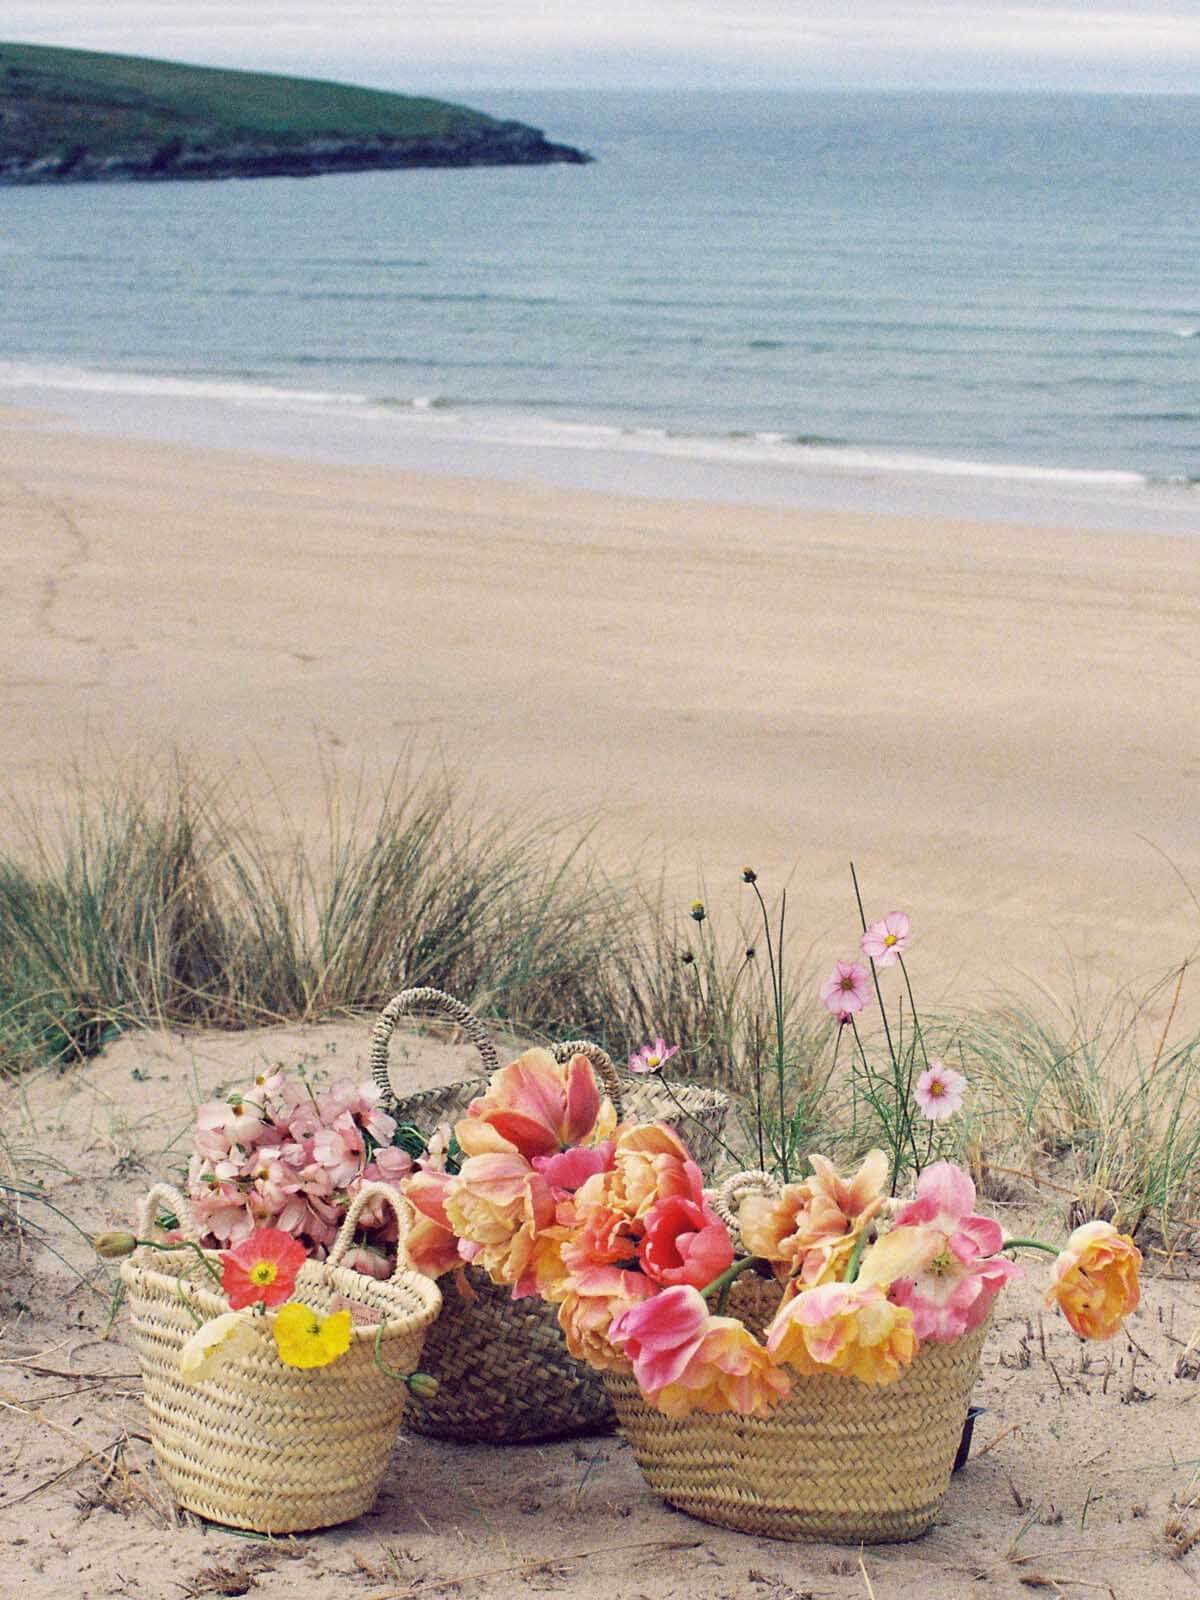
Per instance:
(262,1269)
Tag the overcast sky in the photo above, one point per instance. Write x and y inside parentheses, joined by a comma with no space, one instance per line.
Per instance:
(435,45)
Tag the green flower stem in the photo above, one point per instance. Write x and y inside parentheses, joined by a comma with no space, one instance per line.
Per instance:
(187,1244)
(903,1095)
(1031,1244)
(394,1372)
(692,1117)
(856,1255)
(777,998)
(725,1282)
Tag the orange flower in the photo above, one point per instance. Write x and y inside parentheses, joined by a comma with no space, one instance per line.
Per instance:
(594,1298)
(844,1328)
(650,1163)
(810,1228)
(536,1106)
(1096,1280)
(430,1245)
(729,1372)
(500,1207)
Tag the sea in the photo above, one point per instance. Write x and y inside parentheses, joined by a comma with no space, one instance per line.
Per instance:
(975,304)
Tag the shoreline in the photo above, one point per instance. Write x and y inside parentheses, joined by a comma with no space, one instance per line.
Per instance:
(991,720)
(430,435)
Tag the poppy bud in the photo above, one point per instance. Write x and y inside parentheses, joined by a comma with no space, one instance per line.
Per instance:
(421,1386)
(113,1245)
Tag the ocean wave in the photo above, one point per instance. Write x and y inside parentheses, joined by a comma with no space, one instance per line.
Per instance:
(529,425)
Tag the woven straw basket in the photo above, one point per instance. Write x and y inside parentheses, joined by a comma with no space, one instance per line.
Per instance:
(504,1371)
(839,1460)
(259,1444)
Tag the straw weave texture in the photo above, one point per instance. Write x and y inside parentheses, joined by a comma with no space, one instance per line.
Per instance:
(505,1372)
(839,1460)
(259,1444)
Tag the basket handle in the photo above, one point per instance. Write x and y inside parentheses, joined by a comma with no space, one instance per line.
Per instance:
(345,1237)
(163,1194)
(381,1033)
(601,1063)
(727,1199)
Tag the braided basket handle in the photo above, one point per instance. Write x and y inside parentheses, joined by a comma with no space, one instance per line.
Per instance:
(406,1000)
(403,1212)
(163,1195)
(726,1200)
(599,1060)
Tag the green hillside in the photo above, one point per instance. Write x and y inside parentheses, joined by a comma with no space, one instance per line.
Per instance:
(77,115)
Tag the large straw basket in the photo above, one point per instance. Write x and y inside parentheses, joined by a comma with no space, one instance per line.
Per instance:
(839,1460)
(504,1371)
(259,1444)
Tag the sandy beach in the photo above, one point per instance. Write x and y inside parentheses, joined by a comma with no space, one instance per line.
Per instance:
(996,723)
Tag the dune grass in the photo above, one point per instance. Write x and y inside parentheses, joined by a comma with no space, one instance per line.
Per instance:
(168,898)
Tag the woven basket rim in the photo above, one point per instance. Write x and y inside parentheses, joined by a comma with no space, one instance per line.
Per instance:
(139,1274)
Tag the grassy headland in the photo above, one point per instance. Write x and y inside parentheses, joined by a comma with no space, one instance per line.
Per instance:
(81,116)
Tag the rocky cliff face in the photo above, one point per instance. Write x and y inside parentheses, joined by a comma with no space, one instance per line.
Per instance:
(499,144)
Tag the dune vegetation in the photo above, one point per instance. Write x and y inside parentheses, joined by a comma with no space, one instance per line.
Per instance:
(169,898)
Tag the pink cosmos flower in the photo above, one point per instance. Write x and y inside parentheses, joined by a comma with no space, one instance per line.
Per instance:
(846,990)
(886,940)
(652,1057)
(939,1091)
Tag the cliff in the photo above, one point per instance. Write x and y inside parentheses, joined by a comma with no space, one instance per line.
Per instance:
(75,116)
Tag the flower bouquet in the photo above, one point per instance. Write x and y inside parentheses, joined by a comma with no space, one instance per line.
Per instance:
(788,1354)
(275,1384)
(486,1188)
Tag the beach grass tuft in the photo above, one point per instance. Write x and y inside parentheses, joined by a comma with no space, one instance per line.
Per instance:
(170,897)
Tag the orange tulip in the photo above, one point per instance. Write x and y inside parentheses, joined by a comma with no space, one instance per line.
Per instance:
(729,1372)
(1096,1280)
(844,1328)
(809,1229)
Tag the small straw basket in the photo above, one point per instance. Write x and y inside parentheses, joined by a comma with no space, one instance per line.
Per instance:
(259,1444)
(839,1460)
(503,1367)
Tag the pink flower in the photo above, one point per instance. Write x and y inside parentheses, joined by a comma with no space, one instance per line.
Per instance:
(652,1057)
(941,1259)
(537,1106)
(261,1268)
(685,1359)
(684,1242)
(340,1150)
(568,1170)
(846,990)
(939,1091)
(661,1335)
(886,940)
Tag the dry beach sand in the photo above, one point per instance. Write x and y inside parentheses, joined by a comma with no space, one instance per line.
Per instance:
(997,723)
(1084,1481)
